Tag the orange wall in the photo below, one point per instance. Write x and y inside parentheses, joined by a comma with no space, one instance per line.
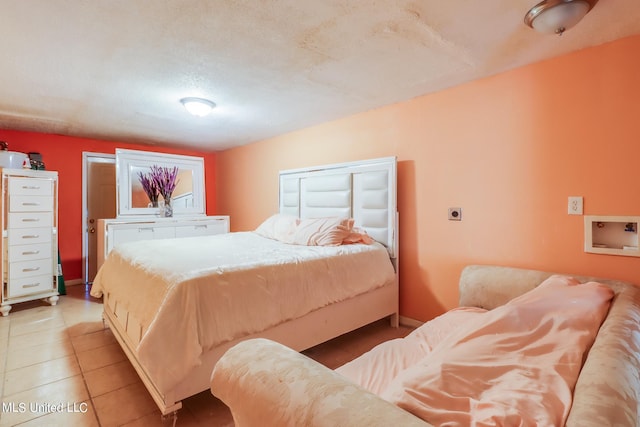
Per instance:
(508,149)
(64,154)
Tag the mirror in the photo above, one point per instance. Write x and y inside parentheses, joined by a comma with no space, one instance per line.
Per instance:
(188,197)
(182,194)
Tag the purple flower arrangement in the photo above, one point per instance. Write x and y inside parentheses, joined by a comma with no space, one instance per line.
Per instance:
(166,179)
(150,187)
(160,181)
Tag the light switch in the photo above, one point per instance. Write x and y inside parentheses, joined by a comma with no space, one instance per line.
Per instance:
(575,205)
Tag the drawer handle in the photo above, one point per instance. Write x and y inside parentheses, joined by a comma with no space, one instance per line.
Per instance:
(27,270)
(30,204)
(145,229)
(30,252)
(30,219)
(31,285)
(31,187)
(31,236)
(201,226)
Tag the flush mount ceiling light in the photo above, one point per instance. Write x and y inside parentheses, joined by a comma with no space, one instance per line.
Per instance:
(198,106)
(557,16)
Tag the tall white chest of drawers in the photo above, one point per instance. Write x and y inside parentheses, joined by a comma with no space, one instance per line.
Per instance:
(29,237)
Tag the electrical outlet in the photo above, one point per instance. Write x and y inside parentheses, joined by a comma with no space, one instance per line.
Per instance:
(575,205)
(455,214)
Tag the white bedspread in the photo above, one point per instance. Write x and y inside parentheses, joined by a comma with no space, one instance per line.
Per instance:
(192,294)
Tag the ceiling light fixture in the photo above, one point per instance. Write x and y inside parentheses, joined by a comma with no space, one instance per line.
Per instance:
(198,106)
(557,16)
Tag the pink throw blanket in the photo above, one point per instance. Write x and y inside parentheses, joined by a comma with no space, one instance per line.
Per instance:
(516,365)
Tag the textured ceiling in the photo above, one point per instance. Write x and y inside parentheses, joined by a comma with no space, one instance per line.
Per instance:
(117,69)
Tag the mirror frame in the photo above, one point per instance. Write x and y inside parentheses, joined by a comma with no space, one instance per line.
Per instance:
(126,160)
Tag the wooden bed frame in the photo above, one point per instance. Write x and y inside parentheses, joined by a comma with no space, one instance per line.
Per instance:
(365,191)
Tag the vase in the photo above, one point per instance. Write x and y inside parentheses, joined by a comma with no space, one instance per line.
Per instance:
(167,209)
(153,204)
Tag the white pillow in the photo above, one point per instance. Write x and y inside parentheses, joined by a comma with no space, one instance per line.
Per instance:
(280,227)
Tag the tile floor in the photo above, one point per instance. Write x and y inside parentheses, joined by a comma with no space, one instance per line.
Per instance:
(60,367)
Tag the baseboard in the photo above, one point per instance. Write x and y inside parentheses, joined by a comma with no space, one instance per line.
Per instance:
(73,282)
(412,323)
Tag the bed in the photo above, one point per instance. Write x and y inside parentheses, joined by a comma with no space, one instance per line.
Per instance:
(176,305)
(587,327)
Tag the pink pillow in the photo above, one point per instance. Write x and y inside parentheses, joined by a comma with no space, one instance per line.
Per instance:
(322,231)
(357,235)
(278,227)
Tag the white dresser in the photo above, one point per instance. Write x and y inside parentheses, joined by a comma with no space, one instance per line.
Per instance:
(112,232)
(29,237)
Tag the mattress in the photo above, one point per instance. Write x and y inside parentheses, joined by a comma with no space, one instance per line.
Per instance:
(189,295)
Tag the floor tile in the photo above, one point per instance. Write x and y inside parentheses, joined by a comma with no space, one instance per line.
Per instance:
(76,414)
(38,337)
(41,312)
(205,409)
(343,349)
(3,355)
(110,378)
(4,326)
(26,378)
(85,327)
(124,405)
(31,308)
(101,356)
(27,356)
(155,419)
(69,391)
(36,323)
(93,340)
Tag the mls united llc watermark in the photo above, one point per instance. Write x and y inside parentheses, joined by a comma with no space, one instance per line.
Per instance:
(44,407)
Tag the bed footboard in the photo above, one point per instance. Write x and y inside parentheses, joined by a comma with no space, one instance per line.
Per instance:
(128,333)
(318,326)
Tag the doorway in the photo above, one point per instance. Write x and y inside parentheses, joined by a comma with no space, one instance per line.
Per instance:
(98,201)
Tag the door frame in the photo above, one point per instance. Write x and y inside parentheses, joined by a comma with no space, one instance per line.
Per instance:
(86,156)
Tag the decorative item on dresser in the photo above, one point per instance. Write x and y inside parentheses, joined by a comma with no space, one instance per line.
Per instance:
(29,237)
(112,232)
(160,181)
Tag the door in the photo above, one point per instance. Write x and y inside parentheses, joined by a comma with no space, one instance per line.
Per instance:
(99,199)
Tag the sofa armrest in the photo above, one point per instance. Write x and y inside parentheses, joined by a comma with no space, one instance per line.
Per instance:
(265,383)
(608,389)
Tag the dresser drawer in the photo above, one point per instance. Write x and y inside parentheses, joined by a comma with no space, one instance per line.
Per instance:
(29,252)
(34,268)
(30,219)
(30,203)
(28,236)
(30,285)
(208,229)
(30,186)
(140,232)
